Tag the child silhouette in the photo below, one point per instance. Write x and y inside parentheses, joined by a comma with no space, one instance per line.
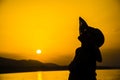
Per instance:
(83,66)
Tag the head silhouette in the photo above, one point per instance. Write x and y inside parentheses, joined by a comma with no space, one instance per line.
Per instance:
(90,36)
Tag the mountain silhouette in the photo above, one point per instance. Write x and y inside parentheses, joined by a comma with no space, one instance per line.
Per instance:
(11,65)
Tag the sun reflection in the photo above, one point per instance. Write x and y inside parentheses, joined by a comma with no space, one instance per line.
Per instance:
(39,76)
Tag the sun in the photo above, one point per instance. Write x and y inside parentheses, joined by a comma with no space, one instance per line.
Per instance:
(38,51)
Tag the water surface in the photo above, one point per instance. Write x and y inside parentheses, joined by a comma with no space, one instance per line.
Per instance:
(58,75)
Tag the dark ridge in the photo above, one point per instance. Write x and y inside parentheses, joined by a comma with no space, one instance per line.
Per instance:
(10,65)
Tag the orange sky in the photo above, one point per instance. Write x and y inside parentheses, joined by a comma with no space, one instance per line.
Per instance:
(52,26)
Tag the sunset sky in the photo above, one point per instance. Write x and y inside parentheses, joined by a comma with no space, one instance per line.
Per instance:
(52,26)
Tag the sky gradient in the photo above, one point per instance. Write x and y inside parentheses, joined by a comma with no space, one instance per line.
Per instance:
(52,26)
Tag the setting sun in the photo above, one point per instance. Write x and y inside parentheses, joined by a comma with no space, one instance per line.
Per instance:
(38,51)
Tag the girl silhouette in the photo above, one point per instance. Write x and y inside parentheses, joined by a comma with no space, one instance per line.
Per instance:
(83,66)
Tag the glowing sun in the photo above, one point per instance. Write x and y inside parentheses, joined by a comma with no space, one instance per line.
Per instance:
(38,51)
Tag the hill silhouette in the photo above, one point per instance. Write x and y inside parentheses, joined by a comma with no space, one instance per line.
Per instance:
(11,65)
